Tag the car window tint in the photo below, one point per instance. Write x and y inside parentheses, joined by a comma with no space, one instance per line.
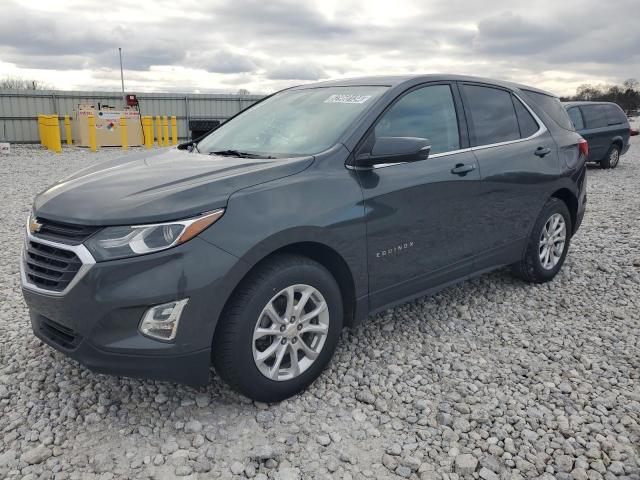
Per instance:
(615,116)
(492,115)
(594,116)
(552,107)
(429,113)
(528,125)
(576,117)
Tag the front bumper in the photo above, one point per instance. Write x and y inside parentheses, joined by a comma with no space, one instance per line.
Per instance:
(96,321)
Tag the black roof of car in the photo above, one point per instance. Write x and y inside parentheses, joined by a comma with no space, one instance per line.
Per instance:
(397,80)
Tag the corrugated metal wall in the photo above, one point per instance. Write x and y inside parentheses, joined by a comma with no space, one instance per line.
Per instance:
(19,109)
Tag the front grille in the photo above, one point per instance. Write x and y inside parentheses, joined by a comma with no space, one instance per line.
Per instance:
(49,267)
(63,336)
(64,232)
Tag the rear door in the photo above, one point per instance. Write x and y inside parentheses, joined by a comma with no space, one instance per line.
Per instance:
(518,159)
(420,216)
(596,131)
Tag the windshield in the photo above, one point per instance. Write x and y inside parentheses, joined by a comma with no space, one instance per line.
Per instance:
(292,123)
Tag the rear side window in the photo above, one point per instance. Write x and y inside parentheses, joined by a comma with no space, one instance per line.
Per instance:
(594,116)
(615,116)
(428,112)
(492,115)
(528,126)
(576,118)
(552,107)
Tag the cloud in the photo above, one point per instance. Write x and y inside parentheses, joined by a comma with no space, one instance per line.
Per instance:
(293,71)
(224,61)
(224,45)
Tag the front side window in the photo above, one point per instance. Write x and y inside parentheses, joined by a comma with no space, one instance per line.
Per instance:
(293,122)
(428,112)
(594,116)
(492,115)
(576,118)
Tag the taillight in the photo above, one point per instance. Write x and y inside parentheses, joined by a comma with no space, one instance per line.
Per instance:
(583,146)
(633,132)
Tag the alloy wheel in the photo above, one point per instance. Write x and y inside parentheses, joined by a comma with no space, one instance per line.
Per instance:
(290,332)
(552,241)
(614,156)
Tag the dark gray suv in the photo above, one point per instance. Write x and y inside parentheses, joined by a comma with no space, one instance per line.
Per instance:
(605,127)
(252,248)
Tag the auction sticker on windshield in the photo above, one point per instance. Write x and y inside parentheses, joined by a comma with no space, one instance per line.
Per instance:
(347,98)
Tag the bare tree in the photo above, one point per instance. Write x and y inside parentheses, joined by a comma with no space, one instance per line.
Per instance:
(18,83)
(243,91)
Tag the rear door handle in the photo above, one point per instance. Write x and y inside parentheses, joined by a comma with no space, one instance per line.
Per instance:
(542,151)
(462,169)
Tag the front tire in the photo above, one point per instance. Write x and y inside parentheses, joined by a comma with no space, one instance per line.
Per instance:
(612,158)
(280,328)
(548,244)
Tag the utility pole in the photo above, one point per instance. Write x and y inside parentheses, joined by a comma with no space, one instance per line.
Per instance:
(122,77)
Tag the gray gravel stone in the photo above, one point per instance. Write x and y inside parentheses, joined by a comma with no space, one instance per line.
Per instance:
(36,455)
(535,381)
(466,464)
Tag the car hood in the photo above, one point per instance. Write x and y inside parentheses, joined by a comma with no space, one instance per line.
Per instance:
(156,186)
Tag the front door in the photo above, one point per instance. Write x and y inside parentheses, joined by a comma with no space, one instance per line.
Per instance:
(420,216)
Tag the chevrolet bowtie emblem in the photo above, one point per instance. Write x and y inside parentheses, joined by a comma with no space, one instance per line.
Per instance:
(34,226)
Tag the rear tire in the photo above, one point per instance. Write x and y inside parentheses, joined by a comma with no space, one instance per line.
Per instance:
(265,325)
(612,158)
(548,244)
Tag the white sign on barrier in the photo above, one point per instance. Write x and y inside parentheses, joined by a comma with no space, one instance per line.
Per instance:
(5,149)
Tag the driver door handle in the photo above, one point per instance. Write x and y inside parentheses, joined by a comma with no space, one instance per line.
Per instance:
(462,169)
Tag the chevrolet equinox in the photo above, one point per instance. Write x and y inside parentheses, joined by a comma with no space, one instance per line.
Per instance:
(253,247)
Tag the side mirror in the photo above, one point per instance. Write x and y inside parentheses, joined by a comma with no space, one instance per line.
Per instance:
(395,150)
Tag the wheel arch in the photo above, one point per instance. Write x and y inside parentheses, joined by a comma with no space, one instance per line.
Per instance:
(571,201)
(320,252)
(618,141)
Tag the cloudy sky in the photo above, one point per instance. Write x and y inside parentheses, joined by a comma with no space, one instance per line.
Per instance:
(264,45)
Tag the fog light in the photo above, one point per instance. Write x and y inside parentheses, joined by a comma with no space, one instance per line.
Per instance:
(161,322)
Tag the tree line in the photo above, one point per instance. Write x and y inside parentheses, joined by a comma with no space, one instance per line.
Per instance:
(627,95)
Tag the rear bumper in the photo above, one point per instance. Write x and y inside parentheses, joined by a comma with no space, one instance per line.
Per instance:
(625,148)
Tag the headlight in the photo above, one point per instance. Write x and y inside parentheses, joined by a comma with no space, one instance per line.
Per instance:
(121,242)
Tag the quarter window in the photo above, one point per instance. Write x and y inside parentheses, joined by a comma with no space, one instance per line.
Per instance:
(576,118)
(492,115)
(528,125)
(428,112)
(594,116)
(615,116)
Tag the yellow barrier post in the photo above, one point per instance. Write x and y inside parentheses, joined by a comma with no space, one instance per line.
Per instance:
(174,130)
(91,121)
(147,128)
(49,135)
(45,131)
(158,131)
(165,131)
(67,130)
(123,133)
(41,128)
(150,127)
(56,145)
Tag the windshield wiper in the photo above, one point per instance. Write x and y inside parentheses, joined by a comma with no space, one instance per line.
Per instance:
(239,154)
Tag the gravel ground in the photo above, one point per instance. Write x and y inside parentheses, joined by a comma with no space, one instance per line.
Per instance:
(490,379)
